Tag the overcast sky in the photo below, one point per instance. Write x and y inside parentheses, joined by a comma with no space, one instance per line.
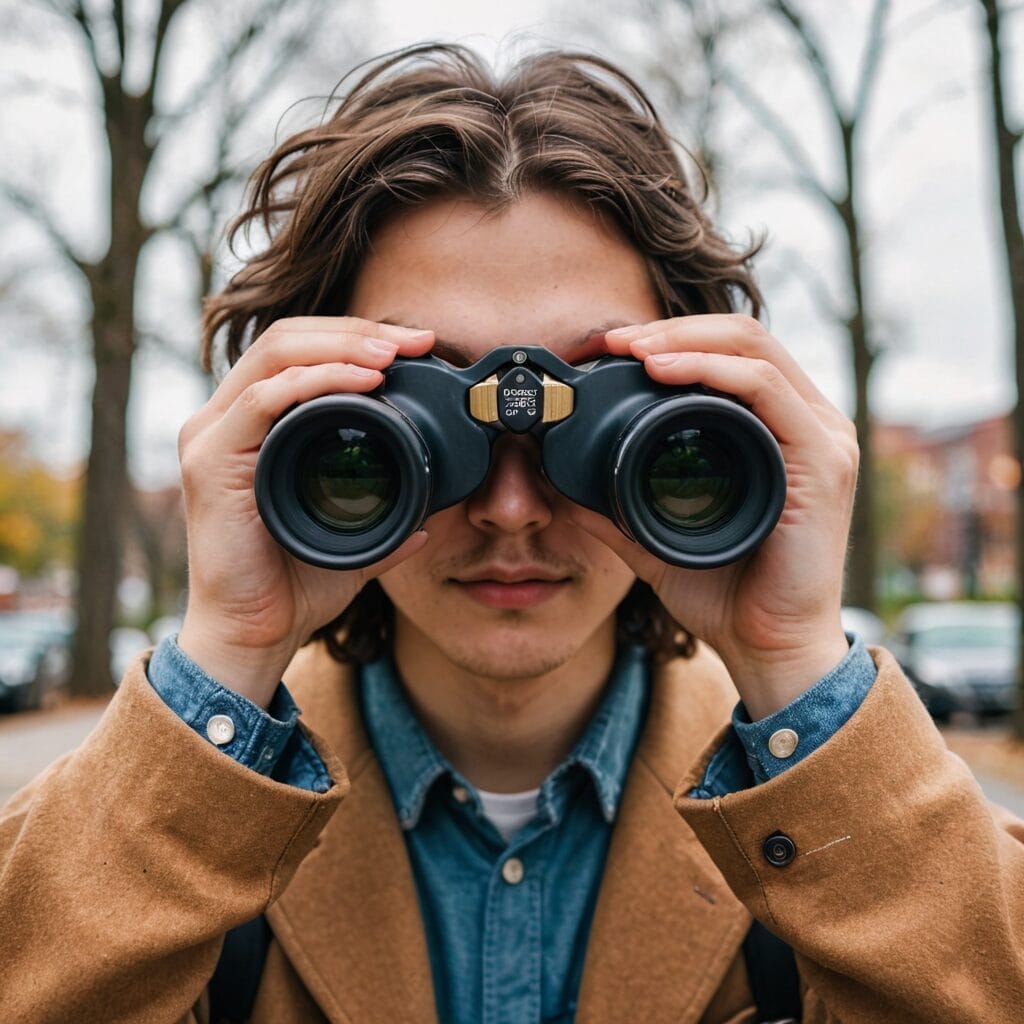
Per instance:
(929,206)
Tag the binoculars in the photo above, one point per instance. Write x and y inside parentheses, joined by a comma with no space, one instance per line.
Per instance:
(692,475)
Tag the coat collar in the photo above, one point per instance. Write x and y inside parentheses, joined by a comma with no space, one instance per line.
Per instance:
(350,923)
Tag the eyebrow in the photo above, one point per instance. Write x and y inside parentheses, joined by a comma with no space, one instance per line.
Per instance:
(455,354)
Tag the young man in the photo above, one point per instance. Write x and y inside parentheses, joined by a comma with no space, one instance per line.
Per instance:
(515,793)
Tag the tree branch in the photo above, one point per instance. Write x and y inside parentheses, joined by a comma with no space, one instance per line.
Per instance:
(216,75)
(788,142)
(950,90)
(815,53)
(78,13)
(168,8)
(794,265)
(872,55)
(120,30)
(37,213)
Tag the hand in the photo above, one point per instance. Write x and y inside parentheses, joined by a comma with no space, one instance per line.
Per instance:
(774,616)
(251,605)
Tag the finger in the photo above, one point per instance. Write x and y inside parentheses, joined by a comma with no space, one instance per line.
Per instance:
(247,422)
(618,341)
(726,334)
(757,383)
(639,559)
(407,550)
(358,342)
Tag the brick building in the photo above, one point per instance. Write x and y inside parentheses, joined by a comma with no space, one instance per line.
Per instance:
(947,506)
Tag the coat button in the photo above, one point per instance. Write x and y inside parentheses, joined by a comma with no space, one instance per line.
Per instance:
(779,850)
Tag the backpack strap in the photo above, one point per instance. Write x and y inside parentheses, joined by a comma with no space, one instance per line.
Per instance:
(771,971)
(774,980)
(232,988)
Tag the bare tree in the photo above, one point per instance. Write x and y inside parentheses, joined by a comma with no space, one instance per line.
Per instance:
(1006,138)
(118,43)
(844,205)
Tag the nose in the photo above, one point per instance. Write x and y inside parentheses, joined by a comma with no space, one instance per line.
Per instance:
(514,497)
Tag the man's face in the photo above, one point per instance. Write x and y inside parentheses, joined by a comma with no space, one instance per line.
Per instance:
(506,587)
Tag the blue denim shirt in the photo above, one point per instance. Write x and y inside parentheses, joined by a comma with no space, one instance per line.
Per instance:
(507,943)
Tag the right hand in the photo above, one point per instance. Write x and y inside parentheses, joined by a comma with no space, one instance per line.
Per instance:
(251,605)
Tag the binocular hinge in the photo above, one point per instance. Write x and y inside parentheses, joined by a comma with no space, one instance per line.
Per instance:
(559,399)
(483,400)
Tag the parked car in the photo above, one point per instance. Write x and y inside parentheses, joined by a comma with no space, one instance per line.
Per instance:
(960,656)
(34,658)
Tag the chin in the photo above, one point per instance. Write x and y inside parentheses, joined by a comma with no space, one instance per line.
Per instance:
(509,653)
(487,665)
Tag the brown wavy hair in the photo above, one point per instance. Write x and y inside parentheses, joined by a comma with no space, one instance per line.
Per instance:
(433,121)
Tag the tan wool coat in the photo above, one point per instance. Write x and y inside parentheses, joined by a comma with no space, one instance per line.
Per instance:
(122,866)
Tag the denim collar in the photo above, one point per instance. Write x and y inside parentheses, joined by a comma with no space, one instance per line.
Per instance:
(412,764)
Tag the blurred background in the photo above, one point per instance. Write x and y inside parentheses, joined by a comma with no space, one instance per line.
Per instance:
(874,145)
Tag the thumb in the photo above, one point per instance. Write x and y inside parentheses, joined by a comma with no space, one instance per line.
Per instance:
(647,566)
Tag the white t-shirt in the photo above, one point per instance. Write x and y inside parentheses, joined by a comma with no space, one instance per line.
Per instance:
(509,812)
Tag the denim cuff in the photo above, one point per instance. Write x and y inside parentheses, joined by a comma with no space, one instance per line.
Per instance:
(265,741)
(813,718)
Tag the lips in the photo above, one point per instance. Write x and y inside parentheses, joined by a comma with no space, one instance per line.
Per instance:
(516,587)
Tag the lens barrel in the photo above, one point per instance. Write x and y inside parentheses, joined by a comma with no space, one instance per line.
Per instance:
(698,480)
(342,481)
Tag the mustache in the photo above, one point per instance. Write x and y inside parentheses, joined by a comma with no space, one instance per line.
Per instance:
(505,553)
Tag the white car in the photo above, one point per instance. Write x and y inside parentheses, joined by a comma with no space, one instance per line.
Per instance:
(961,655)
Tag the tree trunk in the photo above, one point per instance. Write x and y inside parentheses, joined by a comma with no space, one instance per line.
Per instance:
(112,286)
(106,488)
(862,559)
(1006,141)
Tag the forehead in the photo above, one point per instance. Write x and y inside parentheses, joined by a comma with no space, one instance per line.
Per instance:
(543,271)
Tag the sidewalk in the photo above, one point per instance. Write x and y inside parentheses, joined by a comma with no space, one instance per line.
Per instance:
(995,757)
(30,740)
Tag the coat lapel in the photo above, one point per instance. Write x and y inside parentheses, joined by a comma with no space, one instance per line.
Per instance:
(667,927)
(349,921)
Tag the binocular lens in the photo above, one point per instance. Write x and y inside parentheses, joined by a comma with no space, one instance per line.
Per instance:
(692,480)
(348,480)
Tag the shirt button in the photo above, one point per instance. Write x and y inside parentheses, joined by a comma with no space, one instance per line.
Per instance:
(779,850)
(512,871)
(220,729)
(783,742)
(461,794)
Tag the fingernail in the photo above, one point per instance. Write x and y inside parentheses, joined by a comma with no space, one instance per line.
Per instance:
(664,358)
(382,347)
(364,371)
(619,332)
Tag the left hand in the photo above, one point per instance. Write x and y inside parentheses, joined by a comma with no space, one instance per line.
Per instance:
(774,616)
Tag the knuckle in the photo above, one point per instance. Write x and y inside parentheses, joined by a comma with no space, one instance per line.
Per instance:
(751,330)
(771,376)
(254,397)
(188,431)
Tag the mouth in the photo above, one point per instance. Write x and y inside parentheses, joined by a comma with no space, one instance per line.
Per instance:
(511,588)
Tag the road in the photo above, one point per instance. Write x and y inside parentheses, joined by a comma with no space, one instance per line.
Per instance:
(30,741)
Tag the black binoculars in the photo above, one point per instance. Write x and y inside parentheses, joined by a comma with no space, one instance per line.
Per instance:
(692,475)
